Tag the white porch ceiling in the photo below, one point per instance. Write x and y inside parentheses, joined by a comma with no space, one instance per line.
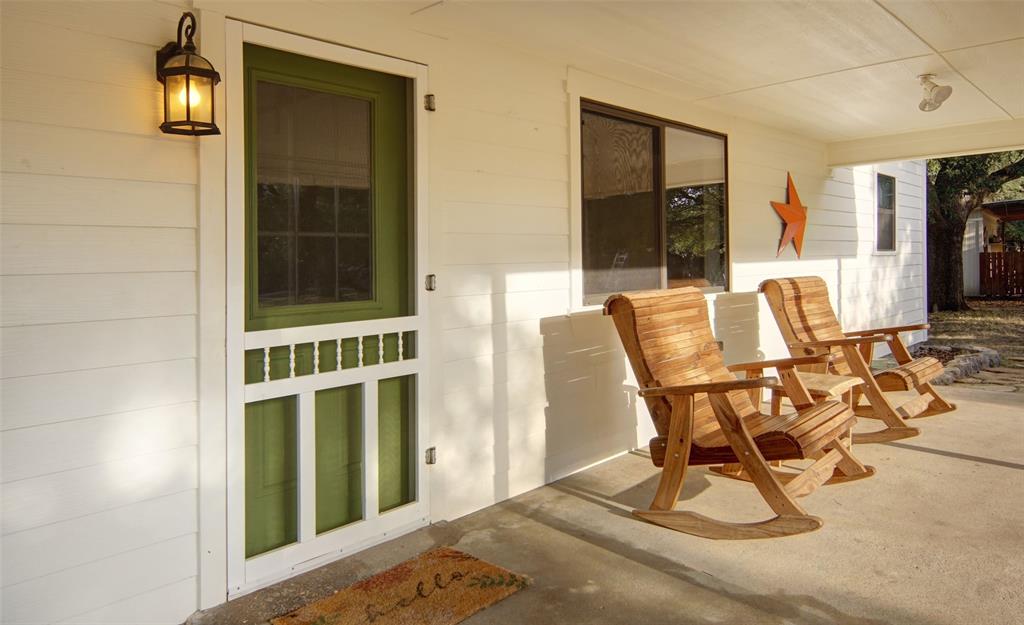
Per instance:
(834,71)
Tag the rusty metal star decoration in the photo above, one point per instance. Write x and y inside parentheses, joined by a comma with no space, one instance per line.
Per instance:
(794,215)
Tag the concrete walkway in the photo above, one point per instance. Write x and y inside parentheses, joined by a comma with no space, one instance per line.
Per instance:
(936,537)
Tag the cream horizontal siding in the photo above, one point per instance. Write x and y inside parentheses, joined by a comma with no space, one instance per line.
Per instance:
(502,183)
(884,288)
(868,289)
(36,350)
(477,217)
(98,316)
(31,400)
(503,188)
(96,440)
(520,375)
(102,582)
(65,298)
(65,495)
(466,155)
(58,150)
(67,200)
(78,103)
(99,294)
(178,597)
(88,538)
(505,278)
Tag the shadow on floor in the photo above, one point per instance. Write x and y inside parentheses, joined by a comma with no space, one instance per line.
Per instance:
(954,454)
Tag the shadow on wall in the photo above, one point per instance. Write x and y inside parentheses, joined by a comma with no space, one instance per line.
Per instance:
(592,405)
(593,411)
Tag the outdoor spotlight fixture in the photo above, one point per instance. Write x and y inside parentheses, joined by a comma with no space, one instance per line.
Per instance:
(188,81)
(934,95)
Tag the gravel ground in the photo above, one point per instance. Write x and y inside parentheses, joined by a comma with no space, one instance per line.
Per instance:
(996,324)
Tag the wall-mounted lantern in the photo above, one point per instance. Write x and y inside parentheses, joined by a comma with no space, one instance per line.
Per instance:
(188,81)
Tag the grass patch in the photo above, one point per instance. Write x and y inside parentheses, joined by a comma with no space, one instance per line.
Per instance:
(996,324)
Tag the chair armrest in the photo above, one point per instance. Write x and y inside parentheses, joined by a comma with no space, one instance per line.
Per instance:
(857,340)
(709,387)
(892,330)
(759,365)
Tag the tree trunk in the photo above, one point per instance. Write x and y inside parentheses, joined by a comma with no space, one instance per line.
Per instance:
(946,265)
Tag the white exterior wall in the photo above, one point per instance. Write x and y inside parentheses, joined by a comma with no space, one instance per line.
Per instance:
(884,289)
(974,244)
(100,293)
(980,226)
(98,321)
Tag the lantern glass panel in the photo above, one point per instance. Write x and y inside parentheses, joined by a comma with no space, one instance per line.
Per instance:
(174,95)
(200,97)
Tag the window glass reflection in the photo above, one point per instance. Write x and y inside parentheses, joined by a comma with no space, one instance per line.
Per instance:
(313,196)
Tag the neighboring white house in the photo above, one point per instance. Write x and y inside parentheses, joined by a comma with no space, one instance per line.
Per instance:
(981,227)
(984,232)
(135,321)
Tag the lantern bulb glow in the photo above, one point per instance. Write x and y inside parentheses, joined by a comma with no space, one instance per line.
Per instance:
(193,96)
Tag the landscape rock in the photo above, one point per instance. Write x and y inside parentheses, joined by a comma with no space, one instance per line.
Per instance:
(960,362)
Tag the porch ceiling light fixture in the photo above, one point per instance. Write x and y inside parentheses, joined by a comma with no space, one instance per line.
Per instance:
(934,95)
(188,81)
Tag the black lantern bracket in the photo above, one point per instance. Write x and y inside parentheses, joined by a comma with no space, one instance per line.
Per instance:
(180,58)
(174,48)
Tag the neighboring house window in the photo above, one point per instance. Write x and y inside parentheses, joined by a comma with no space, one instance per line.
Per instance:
(885,216)
(654,204)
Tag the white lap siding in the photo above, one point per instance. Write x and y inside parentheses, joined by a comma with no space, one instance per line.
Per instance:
(99,248)
(98,333)
(882,289)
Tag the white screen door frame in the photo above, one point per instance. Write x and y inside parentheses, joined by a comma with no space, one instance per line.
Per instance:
(312,550)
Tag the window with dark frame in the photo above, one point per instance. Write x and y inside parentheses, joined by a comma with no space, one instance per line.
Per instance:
(654,204)
(885,216)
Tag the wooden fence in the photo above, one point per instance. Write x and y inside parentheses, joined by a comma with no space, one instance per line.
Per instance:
(1002,274)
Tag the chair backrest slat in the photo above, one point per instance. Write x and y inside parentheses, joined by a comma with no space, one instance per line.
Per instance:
(804,312)
(667,337)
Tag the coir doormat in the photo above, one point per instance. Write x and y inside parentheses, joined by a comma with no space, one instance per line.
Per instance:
(439,587)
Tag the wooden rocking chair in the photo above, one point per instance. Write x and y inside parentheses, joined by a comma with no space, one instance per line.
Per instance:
(704,415)
(809,326)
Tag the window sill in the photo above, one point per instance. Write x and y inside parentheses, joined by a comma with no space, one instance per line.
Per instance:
(709,293)
(586,309)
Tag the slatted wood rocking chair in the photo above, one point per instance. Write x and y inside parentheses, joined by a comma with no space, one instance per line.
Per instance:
(704,415)
(809,325)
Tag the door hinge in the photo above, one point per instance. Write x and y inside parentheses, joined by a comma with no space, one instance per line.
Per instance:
(429,102)
(431,455)
(430,282)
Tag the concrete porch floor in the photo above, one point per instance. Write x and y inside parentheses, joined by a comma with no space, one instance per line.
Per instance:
(936,537)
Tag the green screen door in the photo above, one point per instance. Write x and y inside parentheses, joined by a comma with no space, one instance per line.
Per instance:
(328,223)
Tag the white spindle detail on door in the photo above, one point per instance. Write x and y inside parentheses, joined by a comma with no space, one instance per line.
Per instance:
(318,378)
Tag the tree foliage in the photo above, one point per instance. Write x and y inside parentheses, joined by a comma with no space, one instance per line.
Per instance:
(960,184)
(689,210)
(695,232)
(1015,232)
(957,186)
